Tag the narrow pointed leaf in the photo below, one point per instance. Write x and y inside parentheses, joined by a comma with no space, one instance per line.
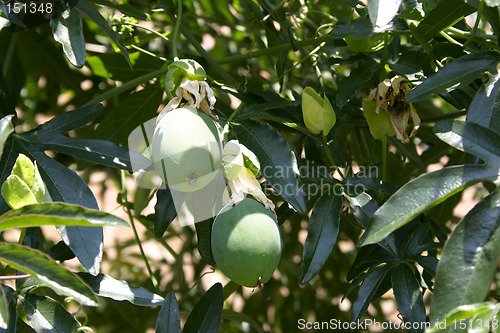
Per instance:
(409,297)
(479,316)
(65,185)
(93,14)
(69,121)
(4,310)
(57,214)
(168,319)
(207,312)
(165,211)
(48,316)
(322,231)
(5,130)
(39,265)
(456,74)
(11,303)
(473,250)
(106,286)
(67,30)
(417,196)
(382,12)
(367,292)
(278,164)
(485,107)
(204,237)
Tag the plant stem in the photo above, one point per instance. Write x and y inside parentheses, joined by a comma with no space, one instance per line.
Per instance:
(154,281)
(476,24)
(176,30)
(126,86)
(147,29)
(274,49)
(384,159)
(420,39)
(8,55)
(14,277)
(329,155)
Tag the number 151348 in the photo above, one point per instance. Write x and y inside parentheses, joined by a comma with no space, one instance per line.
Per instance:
(29,7)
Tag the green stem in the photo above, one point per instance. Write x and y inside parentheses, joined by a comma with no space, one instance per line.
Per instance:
(329,155)
(384,158)
(274,49)
(176,30)
(145,28)
(420,39)
(450,39)
(21,236)
(476,24)
(147,52)
(384,57)
(154,281)
(126,86)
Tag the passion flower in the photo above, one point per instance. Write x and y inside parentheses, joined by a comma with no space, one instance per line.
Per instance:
(246,243)
(186,149)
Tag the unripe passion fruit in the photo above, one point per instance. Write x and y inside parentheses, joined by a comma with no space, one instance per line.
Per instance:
(246,243)
(186,149)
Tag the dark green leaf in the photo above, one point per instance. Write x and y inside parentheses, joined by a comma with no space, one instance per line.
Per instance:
(165,211)
(204,234)
(38,264)
(471,138)
(93,14)
(131,112)
(67,30)
(57,214)
(5,130)
(4,310)
(322,231)
(456,74)
(206,314)
(124,8)
(106,286)
(472,249)
(10,15)
(446,13)
(356,28)
(60,252)
(485,107)
(65,185)
(168,319)
(278,163)
(350,85)
(48,316)
(69,121)
(10,297)
(417,196)
(409,297)
(362,207)
(428,263)
(367,292)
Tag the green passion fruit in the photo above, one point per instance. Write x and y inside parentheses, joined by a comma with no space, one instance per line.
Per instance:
(246,243)
(186,149)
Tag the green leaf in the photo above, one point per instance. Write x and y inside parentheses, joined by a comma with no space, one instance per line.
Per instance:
(65,185)
(367,292)
(409,297)
(69,121)
(60,252)
(322,231)
(165,211)
(278,164)
(16,193)
(362,207)
(206,314)
(485,107)
(131,112)
(106,286)
(9,319)
(417,196)
(67,30)
(37,264)
(168,319)
(93,14)
(204,235)
(4,310)
(446,13)
(472,249)
(382,12)
(124,8)
(476,318)
(356,28)
(471,138)
(57,214)
(456,74)
(350,85)
(48,316)
(10,16)
(5,129)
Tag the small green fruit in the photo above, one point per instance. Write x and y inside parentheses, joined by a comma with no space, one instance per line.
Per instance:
(186,149)
(246,243)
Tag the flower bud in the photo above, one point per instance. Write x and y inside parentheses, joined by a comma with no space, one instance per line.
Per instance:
(180,69)
(24,186)
(318,113)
